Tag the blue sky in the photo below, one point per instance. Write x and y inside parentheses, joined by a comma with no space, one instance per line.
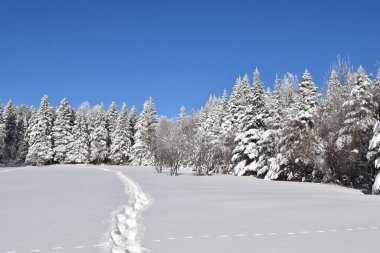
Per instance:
(178,52)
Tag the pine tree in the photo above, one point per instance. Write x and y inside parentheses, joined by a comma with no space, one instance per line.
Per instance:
(274,122)
(62,132)
(355,134)
(334,86)
(144,136)
(79,148)
(22,142)
(307,101)
(373,154)
(112,118)
(121,140)
(298,129)
(182,116)
(2,135)
(40,150)
(132,123)
(247,154)
(99,137)
(10,131)
(238,102)
(376,92)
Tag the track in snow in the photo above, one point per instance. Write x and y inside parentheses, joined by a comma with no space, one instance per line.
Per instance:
(125,237)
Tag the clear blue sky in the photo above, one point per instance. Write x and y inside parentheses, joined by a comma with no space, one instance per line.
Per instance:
(178,52)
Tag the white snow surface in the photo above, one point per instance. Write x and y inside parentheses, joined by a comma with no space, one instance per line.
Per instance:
(124,237)
(376,185)
(226,213)
(66,208)
(61,208)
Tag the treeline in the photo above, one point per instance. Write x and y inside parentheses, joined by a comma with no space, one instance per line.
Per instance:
(290,133)
(86,135)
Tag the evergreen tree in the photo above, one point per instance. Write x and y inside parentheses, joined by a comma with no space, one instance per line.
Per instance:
(22,140)
(121,140)
(274,122)
(144,136)
(79,148)
(238,102)
(132,123)
(373,154)
(182,116)
(2,135)
(298,129)
(62,132)
(10,131)
(247,154)
(355,134)
(99,137)
(112,119)
(376,92)
(334,87)
(40,150)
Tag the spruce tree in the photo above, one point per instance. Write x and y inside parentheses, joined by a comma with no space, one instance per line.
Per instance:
(62,132)
(298,129)
(132,123)
(247,154)
(144,136)
(121,142)
(373,155)
(10,131)
(334,87)
(40,150)
(238,102)
(376,92)
(355,134)
(112,119)
(22,142)
(79,148)
(99,137)
(2,136)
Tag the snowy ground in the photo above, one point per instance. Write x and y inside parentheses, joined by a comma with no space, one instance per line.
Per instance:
(71,206)
(57,208)
(242,214)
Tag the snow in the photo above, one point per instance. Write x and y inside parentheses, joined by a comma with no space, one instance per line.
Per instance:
(79,208)
(376,185)
(224,213)
(57,206)
(124,237)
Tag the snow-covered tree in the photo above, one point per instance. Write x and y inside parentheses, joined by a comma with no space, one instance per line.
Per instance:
(112,118)
(373,156)
(307,102)
(376,92)
(62,132)
(294,137)
(2,135)
(238,102)
(132,123)
(248,152)
(22,140)
(10,131)
(99,137)
(144,136)
(355,134)
(79,149)
(334,87)
(299,129)
(40,150)
(121,141)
